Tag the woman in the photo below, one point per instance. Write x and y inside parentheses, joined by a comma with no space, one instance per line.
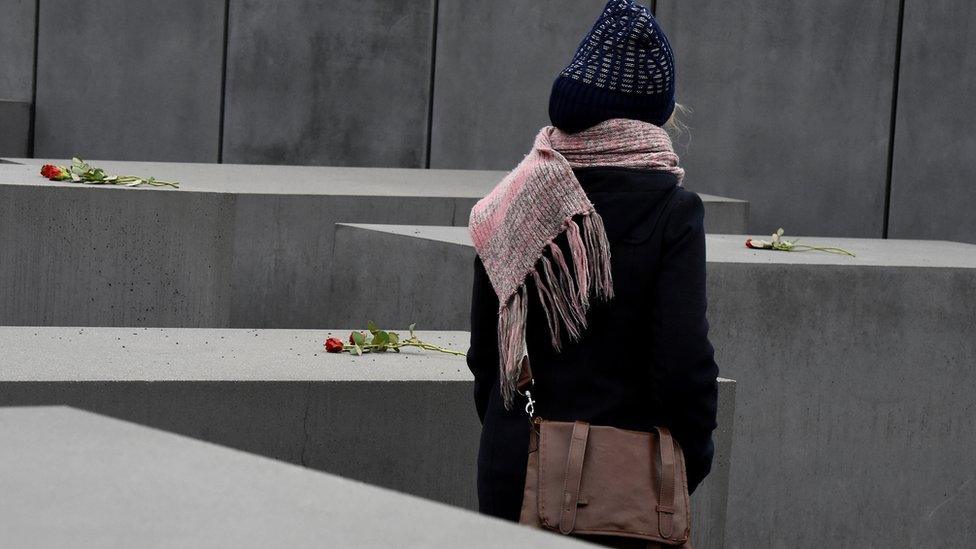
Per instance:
(591,266)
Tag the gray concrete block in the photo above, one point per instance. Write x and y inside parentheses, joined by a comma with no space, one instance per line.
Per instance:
(235,246)
(338,83)
(374,418)
(725,215)
(496,62)
(932,192)
(16,50)
(14,128)
(419,273)
(105,256)
(792,103)
(111,483)
(850,373)
(129,79)
(709,503)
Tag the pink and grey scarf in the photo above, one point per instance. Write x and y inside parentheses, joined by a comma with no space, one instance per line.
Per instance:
(518,221)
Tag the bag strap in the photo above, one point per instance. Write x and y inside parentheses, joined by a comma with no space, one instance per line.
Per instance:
(665,505)
(574,476)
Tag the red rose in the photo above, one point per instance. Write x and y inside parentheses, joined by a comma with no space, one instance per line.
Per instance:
(749,243)
(54,173)
(333,345)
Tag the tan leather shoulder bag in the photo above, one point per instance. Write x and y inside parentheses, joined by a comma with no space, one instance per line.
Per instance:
(597,481)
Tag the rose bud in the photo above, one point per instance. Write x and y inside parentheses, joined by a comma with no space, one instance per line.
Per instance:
(54,173)
(333,345)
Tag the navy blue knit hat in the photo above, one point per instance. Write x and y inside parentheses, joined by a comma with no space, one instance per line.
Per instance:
(624,68)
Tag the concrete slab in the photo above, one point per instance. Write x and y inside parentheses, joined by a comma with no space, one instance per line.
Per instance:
(73,478)
(340,83)
(932,191)
(235,246)
(788,112)
(14,128)
(16,51)
(850,369)
(221,251)
(133,79)
(49,354)
(439,298)
(276,393)
(288,180)
(487,112)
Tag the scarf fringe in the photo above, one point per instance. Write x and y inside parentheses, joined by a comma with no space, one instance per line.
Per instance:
(512,350)
(564,294)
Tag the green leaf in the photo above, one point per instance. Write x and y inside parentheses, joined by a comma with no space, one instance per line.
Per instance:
(395,339)
(381,338)
(357,349)
(372,327)
(358,339)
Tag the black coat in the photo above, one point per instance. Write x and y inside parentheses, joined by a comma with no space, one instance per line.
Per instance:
(645,358)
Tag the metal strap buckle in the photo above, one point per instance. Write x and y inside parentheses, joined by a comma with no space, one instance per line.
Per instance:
(530,405)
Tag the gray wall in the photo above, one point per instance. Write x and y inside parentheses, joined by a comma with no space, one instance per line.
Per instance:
(934,171)
(334,83)
(16,49)
(16,75)
(793,101)
(15,117)
(129,79)
(495,65)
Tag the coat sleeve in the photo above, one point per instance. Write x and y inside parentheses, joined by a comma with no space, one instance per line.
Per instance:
(683,352)
(483,352)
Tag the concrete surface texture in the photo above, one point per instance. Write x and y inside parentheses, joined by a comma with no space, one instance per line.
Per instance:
(46,354)
(73,478)
(439,297)
(790,113)
(428,269)
(784,114)
(932,192)
(235,246)
(374,418)
(131,79)
(287,180)
(487,112)
(852,371)
(16,51)
(14,128)
(338,83)
(203,255)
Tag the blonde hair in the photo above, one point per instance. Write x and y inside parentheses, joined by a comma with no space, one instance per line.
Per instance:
(676,125)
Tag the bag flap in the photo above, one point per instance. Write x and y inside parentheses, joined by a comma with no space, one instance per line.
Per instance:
(619,485)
